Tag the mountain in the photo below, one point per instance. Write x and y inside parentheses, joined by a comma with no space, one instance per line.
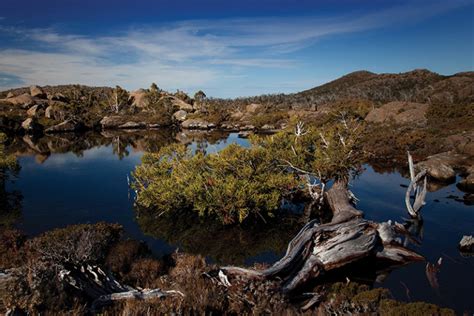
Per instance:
(419,85)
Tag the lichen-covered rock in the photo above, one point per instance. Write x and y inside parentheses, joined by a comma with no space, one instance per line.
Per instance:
(66,126)
(180,115)
(31,126)
(467,244)
(399,112)
(37,92)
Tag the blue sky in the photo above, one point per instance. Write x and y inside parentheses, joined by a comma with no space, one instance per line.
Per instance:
(228,48)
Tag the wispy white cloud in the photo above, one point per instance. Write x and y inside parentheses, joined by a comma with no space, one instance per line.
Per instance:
(188,54)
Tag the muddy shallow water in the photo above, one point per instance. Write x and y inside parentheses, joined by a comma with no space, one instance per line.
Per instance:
(83,179)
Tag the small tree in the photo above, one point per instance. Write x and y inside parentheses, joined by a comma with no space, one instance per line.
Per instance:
(200,100)
(119,99)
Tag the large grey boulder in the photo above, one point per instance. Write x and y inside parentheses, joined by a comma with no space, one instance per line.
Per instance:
(37,92)
(66,126)
(31,126)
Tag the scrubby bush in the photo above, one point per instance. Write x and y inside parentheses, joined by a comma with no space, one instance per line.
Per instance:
(230,185)
(238,182)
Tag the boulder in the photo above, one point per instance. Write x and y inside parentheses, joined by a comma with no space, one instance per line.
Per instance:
(66,126)
(111,121)
(31,126)
(180,115)
(441,166)
(139,99)
(181,105)
(133,125)
(438,169)
(10,95)
(24,100)
(196,124)
(466,244)
(399,112)
(252,108)
(36,110)
(37,92)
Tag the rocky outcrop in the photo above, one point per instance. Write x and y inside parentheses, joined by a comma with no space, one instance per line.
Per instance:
(37,92)
(181,105)
(112,121)
(24,100)
(36,110)
(10,95)
(66,126)
(180,115)
(197,124)
(466,244)
(31,126)
(399,112)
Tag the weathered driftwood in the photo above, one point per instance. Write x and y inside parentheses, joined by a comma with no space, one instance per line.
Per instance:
(418,189)
(103,289)
(317,249)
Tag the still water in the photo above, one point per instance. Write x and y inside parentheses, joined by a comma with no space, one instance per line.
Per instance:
(83,179)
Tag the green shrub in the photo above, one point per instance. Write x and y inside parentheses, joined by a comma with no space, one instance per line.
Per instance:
(230,185)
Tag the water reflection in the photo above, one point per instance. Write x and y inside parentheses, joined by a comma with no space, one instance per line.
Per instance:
(70,179)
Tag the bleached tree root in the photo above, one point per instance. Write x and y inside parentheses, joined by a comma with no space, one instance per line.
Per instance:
(317,249)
